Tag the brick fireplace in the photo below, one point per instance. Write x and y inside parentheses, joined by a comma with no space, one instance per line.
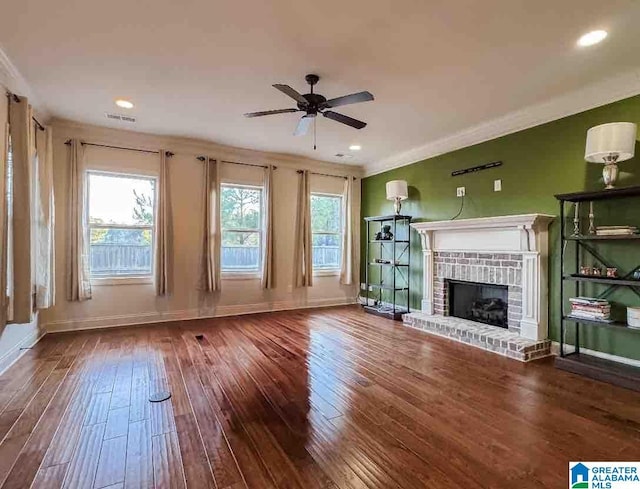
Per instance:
(482,268)
(506,251)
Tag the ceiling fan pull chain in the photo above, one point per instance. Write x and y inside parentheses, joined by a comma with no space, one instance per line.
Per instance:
(315,119)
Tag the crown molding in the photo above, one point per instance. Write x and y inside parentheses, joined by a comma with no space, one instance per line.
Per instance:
(12,80)
(610,90)
(66,129)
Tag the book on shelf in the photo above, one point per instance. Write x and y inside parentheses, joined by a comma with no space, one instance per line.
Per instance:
(604,315)
(595,310)
(616,227)
(616,230)
(589,301)
(590,308)
(607,321)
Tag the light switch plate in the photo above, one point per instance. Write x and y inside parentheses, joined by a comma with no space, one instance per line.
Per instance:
(497,185)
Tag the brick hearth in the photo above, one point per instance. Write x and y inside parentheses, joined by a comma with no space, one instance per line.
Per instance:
(491,338)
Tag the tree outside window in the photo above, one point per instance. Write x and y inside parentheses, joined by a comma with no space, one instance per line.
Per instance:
(121,224)
(326,228)
(241,219)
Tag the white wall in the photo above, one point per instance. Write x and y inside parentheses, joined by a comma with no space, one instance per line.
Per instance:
(13,336)
(128,304)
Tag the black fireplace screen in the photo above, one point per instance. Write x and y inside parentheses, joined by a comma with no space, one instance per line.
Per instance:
(484,303)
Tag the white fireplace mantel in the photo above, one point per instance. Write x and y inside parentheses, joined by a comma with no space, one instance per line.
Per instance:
(524,234)
(517,233)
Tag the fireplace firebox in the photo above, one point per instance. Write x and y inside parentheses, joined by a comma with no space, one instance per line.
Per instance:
(480,302)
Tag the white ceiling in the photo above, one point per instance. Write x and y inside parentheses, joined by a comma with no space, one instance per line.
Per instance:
(436,67)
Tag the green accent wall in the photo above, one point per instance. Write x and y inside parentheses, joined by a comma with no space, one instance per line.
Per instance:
(537,163)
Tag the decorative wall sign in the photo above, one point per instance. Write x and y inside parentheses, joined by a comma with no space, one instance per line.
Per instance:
(474,169)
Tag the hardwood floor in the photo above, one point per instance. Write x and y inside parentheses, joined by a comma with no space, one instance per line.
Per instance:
(323,398)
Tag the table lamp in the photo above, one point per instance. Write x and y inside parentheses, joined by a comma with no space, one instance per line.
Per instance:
(397,191)
(610,144)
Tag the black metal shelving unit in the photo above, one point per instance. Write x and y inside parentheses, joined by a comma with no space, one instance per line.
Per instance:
(392,274)
(576,361)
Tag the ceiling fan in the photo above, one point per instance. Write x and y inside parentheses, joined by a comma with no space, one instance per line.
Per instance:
(314,104)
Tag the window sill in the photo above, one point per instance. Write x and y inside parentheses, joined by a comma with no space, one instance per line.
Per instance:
(240,276)
(98,282)
(326,273)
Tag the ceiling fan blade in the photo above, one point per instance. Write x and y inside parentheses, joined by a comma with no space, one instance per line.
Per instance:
(270,112)
(303,125)
(287,90)
(354,98)
(349,121)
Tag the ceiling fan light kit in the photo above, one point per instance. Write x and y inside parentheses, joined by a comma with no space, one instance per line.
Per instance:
(314,104)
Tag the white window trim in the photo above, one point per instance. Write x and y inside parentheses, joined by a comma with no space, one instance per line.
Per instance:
(252,274)
(329,272)
(326,272)
(133,279)
(241,275)
(127,280)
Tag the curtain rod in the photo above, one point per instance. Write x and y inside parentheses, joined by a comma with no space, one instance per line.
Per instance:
(17,100)
(202,158)
(346,177)
(38,125)
(167,153)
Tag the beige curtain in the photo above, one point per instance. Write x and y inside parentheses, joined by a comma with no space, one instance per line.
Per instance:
(21,135)
(303,264)
(45,223)
(211,248)
(79,283)
(4,227)
(268,277)
(347,268)
(163,221)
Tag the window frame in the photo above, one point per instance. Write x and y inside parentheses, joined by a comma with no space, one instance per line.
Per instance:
(332,270)
(237,273)
(129,279)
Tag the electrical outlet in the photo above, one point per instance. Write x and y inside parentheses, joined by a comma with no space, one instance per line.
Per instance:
(461,191)
(497,185)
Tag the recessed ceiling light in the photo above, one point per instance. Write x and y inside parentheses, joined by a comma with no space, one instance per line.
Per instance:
(591,38)
(355,147)
(125,104)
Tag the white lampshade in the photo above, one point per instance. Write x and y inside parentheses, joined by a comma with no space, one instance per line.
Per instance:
(615,138)
(397,189)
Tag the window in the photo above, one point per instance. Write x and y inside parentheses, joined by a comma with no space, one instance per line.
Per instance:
(121,225)
(326,226)
(241,220)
